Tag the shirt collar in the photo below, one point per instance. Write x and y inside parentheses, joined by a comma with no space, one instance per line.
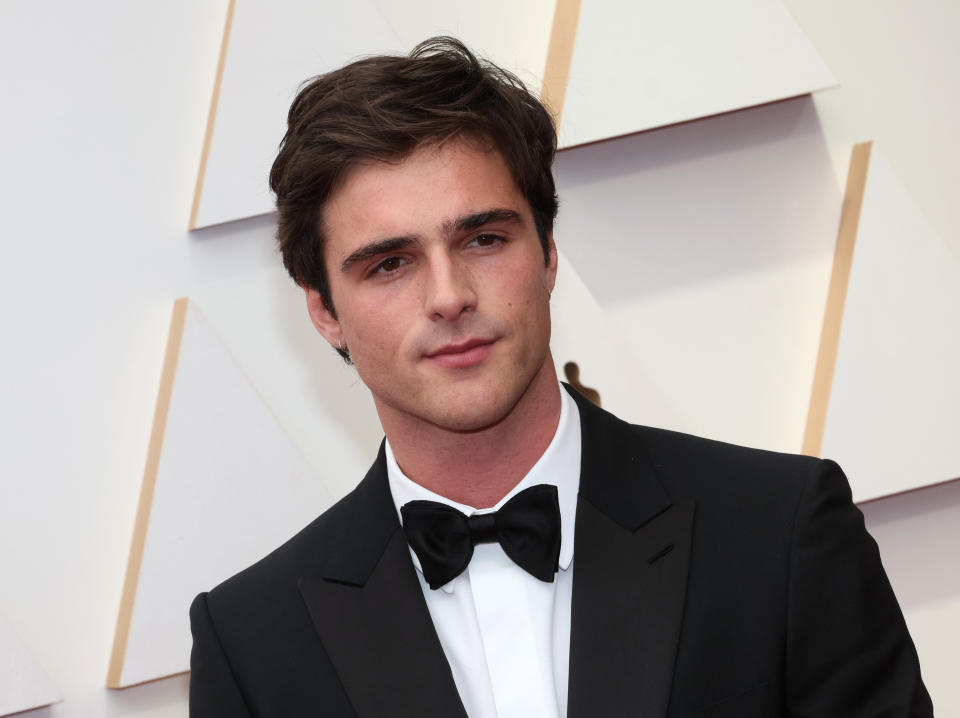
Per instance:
(559,465)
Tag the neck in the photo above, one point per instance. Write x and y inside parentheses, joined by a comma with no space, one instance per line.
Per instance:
(478,468)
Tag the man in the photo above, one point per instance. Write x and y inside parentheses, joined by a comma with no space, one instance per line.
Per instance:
(626,570)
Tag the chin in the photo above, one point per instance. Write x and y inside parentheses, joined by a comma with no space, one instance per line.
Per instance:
(473,418)
(476,411)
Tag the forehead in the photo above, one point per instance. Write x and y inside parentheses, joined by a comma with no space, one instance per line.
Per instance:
(417,195)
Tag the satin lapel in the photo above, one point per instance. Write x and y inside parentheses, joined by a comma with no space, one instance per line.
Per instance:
(631,554)
(628,591)
(368,609)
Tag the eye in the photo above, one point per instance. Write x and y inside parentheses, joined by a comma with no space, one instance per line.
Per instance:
(486,240)
(388,266)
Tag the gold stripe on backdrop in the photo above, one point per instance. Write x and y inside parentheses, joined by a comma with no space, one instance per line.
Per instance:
(836,299)
(556,73)
(212,117)
(170,360)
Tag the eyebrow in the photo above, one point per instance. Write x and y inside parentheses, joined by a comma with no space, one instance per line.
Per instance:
(375,249)
(478,219)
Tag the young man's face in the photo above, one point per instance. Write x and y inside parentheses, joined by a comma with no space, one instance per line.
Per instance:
(440,286)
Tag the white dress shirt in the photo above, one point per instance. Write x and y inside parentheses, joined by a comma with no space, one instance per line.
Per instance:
(506,634)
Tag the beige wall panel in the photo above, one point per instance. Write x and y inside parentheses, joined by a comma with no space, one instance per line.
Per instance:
(273,47)
(515,35)
(892,414)
(229,487)
(583,333)
(640,65)
(24,684)
(919,538)
(896,61)
(710,245)
(322,405)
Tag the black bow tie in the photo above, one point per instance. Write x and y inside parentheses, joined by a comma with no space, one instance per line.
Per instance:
(527,527)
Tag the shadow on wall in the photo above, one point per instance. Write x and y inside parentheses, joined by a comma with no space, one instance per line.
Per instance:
(167,694)
(264,224)
(261,318)
(699,201)
(331,385)
(919,537)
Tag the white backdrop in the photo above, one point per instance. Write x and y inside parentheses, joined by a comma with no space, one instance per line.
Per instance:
(104,112)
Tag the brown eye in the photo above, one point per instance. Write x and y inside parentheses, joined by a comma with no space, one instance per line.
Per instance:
(486,240)
(388,265)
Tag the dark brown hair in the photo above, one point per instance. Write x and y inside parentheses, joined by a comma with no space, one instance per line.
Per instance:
(383,108)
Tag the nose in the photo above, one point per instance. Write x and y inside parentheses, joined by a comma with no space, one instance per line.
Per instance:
(450,289)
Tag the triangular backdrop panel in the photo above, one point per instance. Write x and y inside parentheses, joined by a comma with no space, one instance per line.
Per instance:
(640,65)
(893,421)
(709,245)
(261,318)
(273,47)
(634,66)
(230,486)
(582,333)
(24,684)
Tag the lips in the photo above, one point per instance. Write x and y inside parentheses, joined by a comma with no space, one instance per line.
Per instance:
(464,354)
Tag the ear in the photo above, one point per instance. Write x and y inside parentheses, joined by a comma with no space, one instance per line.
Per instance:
(323,319)
(551,277)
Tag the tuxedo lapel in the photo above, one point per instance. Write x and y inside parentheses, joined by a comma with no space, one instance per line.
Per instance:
(368,609)
(631,553)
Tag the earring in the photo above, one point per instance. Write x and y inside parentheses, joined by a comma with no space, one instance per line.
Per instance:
(340,343)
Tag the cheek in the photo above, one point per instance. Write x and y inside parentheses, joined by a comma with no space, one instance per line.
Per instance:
(375,330)
(523,288)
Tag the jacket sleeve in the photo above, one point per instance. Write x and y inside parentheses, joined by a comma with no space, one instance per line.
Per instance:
(214,692)
(848,650)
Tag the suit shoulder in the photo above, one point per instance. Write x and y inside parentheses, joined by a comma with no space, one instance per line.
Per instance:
(692,467)
(704,467)
(679,446)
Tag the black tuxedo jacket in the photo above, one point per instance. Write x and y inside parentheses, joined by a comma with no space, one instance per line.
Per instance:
(709,580)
